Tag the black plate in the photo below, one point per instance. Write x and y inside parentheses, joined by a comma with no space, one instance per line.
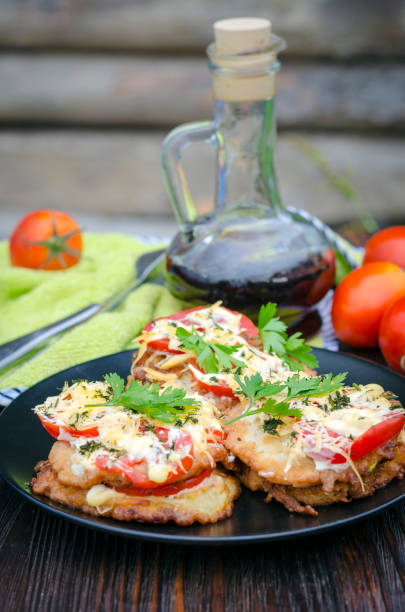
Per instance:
(23,442)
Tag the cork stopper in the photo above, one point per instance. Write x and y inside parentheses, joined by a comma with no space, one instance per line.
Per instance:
(244,59)
(241,34)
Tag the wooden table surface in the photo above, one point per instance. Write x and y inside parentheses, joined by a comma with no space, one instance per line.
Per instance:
(50,564)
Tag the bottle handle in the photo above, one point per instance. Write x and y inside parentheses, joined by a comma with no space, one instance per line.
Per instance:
(171,160)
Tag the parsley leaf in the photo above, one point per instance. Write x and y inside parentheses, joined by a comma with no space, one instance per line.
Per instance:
(273,333)
(330,383)
(281,409)
(295,347)
(211,357)
(116,383)
(271,329)
(166,406)
(254,388)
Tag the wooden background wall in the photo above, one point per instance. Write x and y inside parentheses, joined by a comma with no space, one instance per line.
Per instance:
(89,88)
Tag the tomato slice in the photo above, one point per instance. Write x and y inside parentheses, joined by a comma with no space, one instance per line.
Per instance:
(370,440)
(221,389)
(215,436)
(165,490)
(162,344)
(55,430)
(308,430)
(136,470)
(376,436)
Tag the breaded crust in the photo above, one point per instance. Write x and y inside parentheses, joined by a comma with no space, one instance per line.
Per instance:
(61,459)
(266,455)
(336,487)
(208,502)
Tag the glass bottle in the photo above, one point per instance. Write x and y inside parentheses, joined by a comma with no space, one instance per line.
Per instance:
(249,249)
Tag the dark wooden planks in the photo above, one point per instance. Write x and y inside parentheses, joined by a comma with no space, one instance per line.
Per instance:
(93,90)
(312,28)
(9,509)
(118,173)
(49,564)
(334,572)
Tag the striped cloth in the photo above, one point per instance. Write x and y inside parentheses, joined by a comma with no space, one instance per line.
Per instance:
(8,395)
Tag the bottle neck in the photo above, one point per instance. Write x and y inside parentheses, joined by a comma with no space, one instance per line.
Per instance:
(246,139)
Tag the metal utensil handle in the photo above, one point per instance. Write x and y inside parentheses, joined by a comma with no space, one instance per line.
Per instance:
(13,350)
(155,258)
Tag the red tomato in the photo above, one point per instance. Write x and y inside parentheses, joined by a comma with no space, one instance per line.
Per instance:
(216,436)
(307,431)
(391,337)
(376,436)
(246,326)
(360,300)
(136,471)
(387,245)
(55,430)
(46,240)
(221,389)
(168,489)
(370,440)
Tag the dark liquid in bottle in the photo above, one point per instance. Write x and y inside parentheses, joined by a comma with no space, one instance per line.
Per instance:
(243,276)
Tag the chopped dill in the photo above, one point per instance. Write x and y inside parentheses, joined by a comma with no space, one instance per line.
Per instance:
(339,400)
(89,447)
(44,411)
(78,418)
(270,426)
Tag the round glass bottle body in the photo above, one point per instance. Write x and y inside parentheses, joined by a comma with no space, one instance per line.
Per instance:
(249,250)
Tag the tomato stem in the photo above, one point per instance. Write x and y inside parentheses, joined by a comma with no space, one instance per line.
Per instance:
(57,245)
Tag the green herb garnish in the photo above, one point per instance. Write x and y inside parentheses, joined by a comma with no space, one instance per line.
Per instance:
(166,406)
(339,400)
(211,357)
(273,333)
(79,417)
(89,447)
(254,388)
(270,426)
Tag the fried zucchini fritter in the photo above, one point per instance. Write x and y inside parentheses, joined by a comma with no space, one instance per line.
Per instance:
(309,461)
(210,501)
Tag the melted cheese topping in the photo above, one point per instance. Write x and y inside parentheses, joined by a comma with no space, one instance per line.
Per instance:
(126,433)
(324,430)
(269,366)
(217,325)
(327,427)
(69,407)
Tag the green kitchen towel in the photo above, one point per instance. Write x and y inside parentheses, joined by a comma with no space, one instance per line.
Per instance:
(30,299)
